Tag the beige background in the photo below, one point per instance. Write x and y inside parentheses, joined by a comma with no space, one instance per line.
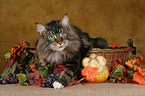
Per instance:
(111,19)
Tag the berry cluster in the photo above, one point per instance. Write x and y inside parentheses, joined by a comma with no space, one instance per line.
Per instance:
(49,80)
(11,79)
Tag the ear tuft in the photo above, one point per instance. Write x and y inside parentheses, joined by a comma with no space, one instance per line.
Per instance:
(64,21)
(40,28)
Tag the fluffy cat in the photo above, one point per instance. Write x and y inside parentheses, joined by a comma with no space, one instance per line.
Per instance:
(64,43)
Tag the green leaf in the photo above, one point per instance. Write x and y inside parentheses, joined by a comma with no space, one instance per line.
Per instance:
(30,60)
(142,66)
(14,67)
(27,70)
(117,72)
(21,78)
(46,70)
(43,71)
(6,73)
(22,61)
(129,74)
(7,55)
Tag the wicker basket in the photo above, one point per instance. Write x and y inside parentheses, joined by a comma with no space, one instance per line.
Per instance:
(112,55)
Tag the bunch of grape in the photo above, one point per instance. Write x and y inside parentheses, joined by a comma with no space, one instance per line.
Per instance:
(11,79)
(49,80)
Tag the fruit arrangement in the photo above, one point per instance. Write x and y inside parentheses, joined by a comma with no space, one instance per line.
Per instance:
(21,69)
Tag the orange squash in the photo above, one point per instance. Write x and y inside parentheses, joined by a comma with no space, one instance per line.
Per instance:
(99,62)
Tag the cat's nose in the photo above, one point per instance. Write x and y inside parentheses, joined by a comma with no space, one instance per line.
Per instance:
(59,41)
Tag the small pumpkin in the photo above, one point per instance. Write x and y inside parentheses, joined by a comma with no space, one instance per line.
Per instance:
(97,61)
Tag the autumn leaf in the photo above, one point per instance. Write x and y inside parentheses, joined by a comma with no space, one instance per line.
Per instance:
(22,79)
(116,44)
(117,62)
(14,67)
(7,55)
(58,68)
(90,72)
(139,78)
(142,71)
(140,61)
(117,72)
(44,71)
(33,67)
(6,72)
(8,63)
(130,63)
(34,78)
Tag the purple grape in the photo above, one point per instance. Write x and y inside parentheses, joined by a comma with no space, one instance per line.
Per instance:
(13,75)
(53,79)
(57,75)
(4,78)
(47,85)
(49,80)
(13,78)
(52,75)
(4,82)
(43,85)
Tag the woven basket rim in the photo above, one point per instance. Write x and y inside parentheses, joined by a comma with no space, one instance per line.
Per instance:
(122,49)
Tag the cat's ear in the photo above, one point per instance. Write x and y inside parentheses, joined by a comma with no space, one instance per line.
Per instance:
(64,21)
(40,28)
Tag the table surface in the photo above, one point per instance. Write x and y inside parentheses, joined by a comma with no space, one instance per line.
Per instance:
(87,89)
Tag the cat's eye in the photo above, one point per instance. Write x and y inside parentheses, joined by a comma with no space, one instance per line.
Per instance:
(63,34)
(52,38)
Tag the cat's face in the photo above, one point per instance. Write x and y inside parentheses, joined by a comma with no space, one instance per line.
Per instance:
(58,38)
(56,33)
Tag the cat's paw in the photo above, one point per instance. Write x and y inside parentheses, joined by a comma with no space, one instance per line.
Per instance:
(57,85)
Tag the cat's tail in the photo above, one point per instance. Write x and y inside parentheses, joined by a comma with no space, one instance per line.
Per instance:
(100,43)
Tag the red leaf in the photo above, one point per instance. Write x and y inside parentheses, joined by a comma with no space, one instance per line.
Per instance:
(139,62)
(58,68)
(9,63)
(34,78)
(42,80)
(116,44)
(117,62)
(140,58)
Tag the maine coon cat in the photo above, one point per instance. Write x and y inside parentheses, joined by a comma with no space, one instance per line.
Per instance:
(64,43)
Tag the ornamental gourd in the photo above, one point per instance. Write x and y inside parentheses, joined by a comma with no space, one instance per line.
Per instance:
(97,61)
